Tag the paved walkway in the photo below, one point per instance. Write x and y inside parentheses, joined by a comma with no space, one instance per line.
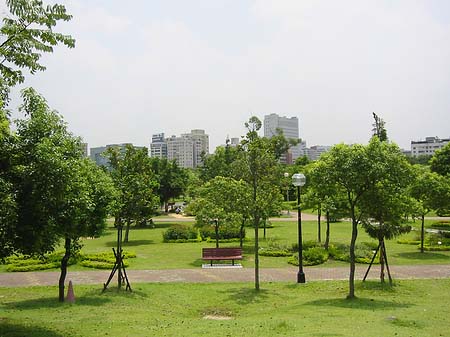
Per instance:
(200,275)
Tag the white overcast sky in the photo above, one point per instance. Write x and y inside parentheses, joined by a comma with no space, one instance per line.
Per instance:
(147,66)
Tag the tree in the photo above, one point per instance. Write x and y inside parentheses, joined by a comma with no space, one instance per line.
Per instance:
(136,184)
(357,169)
(256,164)
(223,201)
(432,192)
(322,195)
(379,129)
(87,203)
(26,33)
(172,179)
(440,162)
(58,193)
(219,163)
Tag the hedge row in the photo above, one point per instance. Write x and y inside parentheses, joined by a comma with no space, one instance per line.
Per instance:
(104,260)
(183,233)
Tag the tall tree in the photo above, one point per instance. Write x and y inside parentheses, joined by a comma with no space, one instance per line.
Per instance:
(136,184)
(257,165)
(357,169)
(379,129)
(58,193)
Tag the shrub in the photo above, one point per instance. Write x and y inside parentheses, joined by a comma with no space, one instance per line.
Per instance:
(444,224)
(363,252)
(100,264)
(23,263)
(311,257)
(180,232)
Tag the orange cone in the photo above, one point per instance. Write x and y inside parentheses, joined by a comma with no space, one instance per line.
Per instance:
(70,295)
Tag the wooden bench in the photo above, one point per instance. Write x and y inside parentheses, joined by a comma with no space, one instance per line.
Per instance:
(216,254)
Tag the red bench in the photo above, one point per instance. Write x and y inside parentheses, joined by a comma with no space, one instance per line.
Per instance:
(216,254)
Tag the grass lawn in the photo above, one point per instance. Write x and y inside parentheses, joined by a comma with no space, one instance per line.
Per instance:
(152,253)
(410,308)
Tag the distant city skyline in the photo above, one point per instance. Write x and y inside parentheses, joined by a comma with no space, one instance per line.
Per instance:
(173,66)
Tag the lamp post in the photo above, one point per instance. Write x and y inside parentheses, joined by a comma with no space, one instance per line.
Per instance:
(299,180)
(286,175)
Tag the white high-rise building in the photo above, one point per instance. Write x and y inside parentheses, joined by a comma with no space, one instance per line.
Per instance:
(188,148)
(289,126)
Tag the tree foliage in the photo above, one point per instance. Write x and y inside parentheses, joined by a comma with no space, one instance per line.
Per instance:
(440,162)
(136,184)
(57,193)
(358,169)
(27,32)
(257,165)
(172,179)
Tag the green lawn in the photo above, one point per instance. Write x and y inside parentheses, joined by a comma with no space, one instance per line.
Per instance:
(152,253)
(411,308)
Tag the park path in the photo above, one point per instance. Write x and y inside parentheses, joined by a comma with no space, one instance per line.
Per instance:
(203,275)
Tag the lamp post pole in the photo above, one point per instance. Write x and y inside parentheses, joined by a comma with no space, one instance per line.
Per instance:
(299,180)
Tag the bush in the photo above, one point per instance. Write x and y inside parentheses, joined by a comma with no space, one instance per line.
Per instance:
(100,264)
(180,232)
(408,242)
(274,252)
(311,257)
(23,263)
(443,224)
(439,248)
(363,252)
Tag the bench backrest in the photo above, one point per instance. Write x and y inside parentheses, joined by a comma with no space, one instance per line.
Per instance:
(212,252)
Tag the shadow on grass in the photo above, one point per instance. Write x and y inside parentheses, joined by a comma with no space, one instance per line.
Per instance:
(359,303)
(52,302)
(243,296)
(114,291)
(198,263)
(377,285)
(131,243)
(424,256)
(9,329)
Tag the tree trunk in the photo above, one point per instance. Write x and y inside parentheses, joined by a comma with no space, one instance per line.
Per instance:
(166,206)
(319,215)
(127,230)
(216,229)
(381,260)
(64,263)
(422,234)
(351,292)
(265,229)
(256,225)
(327,235)
(241,232)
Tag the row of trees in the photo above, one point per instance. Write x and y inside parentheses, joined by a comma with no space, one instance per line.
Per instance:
(374,185)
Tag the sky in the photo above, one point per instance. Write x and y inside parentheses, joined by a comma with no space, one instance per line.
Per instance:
(148,66)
